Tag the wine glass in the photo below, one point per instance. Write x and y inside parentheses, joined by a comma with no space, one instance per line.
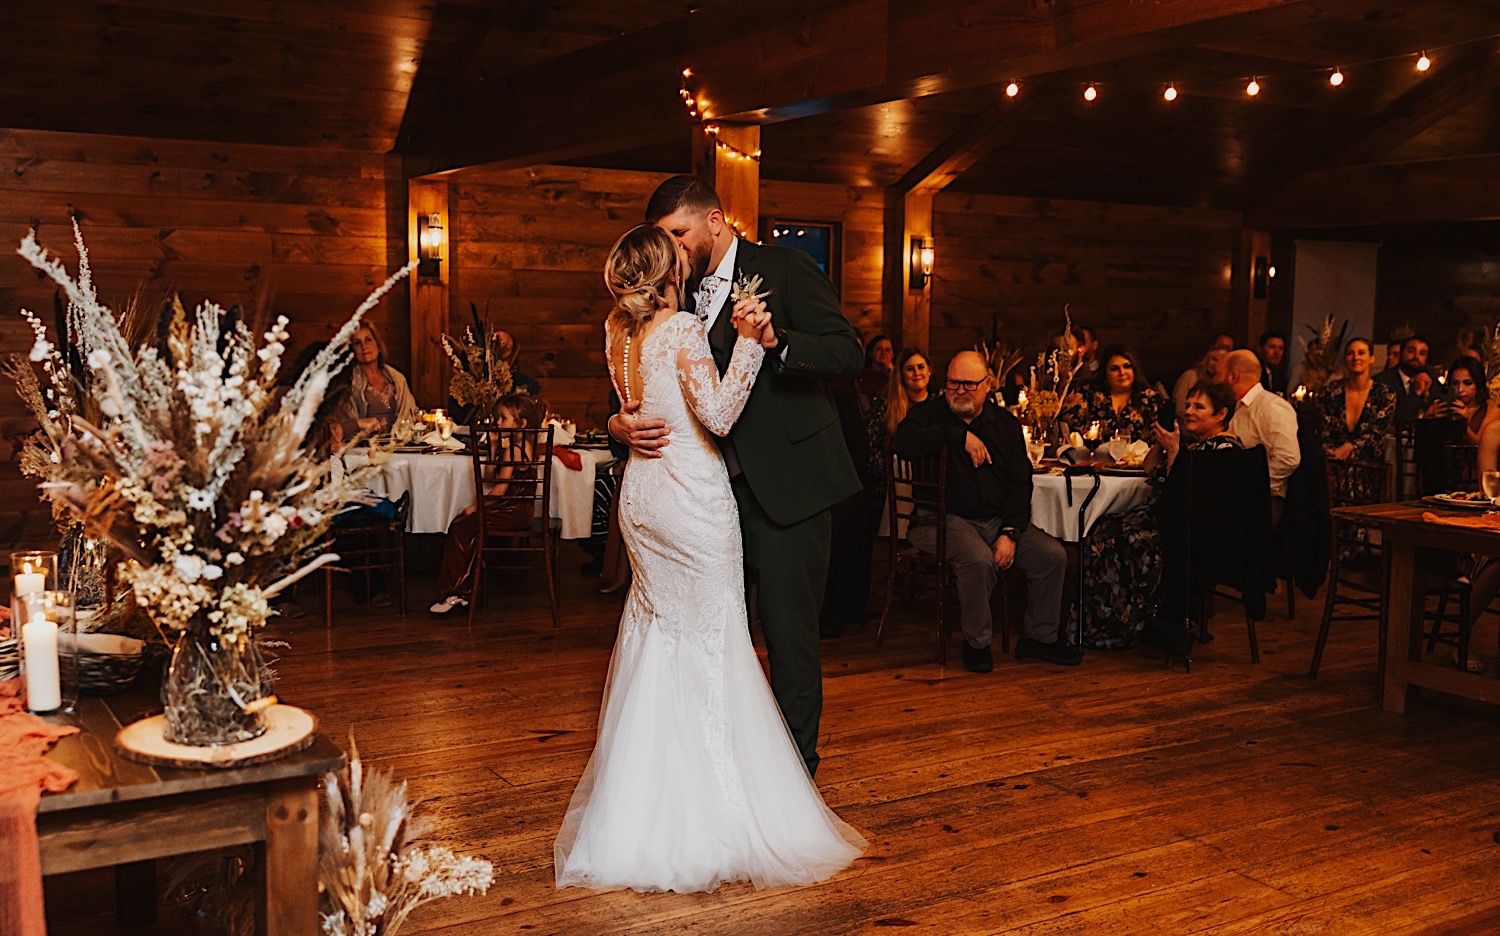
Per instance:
(1094,437)
(1490,481)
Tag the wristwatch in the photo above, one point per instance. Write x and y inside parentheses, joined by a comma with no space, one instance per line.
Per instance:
(1013,534)
(780,341)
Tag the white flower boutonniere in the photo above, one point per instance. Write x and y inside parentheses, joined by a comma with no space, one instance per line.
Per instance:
(747,287)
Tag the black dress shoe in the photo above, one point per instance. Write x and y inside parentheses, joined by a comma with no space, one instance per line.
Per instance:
(978,659)
(1059,651)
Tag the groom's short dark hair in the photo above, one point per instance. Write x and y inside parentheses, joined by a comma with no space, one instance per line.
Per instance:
(683,191)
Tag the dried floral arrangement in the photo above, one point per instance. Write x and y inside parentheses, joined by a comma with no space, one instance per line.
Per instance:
(184,455)
(999,359)
(1323,356)
(371,872)
(1052,378)
(480,375)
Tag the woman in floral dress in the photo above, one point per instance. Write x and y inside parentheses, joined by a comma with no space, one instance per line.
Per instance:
(1357,412)
(1120,402)
(1122,559)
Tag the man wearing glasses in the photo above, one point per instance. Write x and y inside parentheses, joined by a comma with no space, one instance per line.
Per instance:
(989,513)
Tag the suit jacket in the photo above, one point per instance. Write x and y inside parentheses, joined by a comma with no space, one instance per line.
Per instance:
(788,440)
(1408,404)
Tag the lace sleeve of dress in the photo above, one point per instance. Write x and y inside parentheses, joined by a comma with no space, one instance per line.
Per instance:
(716,401)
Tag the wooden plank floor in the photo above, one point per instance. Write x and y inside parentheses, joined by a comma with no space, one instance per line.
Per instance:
(1118,797)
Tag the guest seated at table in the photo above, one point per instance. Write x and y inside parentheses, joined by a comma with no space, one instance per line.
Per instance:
(378,397)
(1465,397)
(1122,564)
(461,548)
(908,387)
(1358,411)
(1412,392)
(1122,401)
(1263,419)
(989,525)
(1210,367)
(874,378)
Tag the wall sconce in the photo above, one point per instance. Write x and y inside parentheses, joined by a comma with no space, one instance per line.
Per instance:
(1260,277)
(921,262)
(430,245)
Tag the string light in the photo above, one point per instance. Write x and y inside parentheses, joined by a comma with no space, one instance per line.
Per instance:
(1090,93)
(1253,88)
(1012,89)
(1171,93)
(689,100)
(1424,62)
(1337,78)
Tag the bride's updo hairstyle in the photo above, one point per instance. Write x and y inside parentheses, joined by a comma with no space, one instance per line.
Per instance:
(637,272)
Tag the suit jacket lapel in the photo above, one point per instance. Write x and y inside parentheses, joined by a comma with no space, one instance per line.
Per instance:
(722,336)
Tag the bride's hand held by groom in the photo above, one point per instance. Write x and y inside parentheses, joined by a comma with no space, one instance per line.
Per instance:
(752,320)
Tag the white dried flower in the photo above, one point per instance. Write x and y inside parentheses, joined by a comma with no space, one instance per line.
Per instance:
(41,349)
(189,567)
(213,573)
(99,358)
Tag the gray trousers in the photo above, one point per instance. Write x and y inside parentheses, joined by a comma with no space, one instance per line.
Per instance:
(971,552)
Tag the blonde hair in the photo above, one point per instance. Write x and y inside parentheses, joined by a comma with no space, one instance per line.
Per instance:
(897,401)
(637,273)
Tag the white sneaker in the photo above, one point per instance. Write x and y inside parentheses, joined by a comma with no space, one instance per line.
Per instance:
(449,605)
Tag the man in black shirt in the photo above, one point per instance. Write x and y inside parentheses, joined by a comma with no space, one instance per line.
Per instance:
(989,513)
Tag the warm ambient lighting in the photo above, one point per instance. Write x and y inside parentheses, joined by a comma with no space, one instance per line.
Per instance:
(1337,78)
(1090,93)
(1171,93)
(1271,272)
(921,262)
(1424,62)
(1253,88)
(1012,89)
(429,244)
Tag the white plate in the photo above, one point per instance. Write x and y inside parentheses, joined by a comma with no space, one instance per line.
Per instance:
(1448,501)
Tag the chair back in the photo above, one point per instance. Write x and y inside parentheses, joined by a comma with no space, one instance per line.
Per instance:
(918,488)
(1430,440)
(1215,513)
(1460,467)
(528,455)
(1354,484)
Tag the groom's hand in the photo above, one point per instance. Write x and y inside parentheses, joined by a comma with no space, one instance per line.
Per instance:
(644,436)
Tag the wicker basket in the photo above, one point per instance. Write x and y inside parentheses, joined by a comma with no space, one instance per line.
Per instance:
(107,663)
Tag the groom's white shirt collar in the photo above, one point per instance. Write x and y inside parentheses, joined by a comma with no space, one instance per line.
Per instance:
(725,272)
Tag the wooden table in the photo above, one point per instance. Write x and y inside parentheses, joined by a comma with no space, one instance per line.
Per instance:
(126,814)
(1404,533)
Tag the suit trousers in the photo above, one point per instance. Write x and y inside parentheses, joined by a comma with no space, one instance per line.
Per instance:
(971,553)
(789,565)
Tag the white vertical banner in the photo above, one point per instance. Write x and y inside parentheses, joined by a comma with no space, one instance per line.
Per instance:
(1333,278)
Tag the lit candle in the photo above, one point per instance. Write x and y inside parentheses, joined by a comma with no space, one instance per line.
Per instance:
(28,582)
(1021,400)
(43,682)
(1095,429)
(1300,393)
(1026,433)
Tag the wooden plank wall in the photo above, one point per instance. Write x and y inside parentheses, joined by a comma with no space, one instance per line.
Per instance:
(530,244)
(306,231)
(1438,279)
(1155,278)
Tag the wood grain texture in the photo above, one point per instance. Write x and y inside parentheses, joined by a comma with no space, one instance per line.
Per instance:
(1118,797)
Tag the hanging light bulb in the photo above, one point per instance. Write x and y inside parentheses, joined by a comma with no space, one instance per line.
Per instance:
(1090,93)
(1337,78)
(1253,88)
(1012,89)
(1171,93)
(1424,62)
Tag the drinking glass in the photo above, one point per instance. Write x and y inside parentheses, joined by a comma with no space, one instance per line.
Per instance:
(49,651)
(1491,482)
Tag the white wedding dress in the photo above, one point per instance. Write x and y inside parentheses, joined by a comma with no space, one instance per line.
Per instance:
(694,780)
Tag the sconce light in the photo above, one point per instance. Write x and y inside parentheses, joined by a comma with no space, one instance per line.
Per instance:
(1260,277)
(921,262)
(429,245)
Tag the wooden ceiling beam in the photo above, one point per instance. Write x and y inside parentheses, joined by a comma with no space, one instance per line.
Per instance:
(769,60)
(1438,190)
(971,143)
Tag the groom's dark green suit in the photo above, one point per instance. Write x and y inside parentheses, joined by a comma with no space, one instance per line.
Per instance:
(794,467)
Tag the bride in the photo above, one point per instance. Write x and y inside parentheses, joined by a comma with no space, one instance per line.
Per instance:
(694,779)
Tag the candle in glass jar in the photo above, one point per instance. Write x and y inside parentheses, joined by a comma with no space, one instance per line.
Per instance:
(1300,393)
(43,682)
(28,582)
(1021,400)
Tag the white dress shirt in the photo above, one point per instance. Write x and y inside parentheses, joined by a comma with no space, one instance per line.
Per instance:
(724,273)
(1263,418)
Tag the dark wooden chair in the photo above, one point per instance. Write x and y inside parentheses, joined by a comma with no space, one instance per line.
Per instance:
(514,548)
(365,547)
(1430,441)
(917,491)
(1460,467)
(1357,564)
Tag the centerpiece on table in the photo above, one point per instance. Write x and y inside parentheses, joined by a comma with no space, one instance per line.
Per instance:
(480,374)
(180,450)
(1051,381)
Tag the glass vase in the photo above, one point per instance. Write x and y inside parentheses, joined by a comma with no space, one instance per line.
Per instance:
(215,692)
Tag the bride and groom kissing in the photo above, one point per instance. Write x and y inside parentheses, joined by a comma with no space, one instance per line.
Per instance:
(702,772)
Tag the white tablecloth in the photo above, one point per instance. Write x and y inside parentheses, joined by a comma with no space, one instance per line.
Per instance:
(1051,512)
(442,486)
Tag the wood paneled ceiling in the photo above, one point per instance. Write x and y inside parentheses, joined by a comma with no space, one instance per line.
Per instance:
(382,75)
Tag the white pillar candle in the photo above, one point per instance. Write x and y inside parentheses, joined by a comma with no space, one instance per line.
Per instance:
(43,683)
(29,583)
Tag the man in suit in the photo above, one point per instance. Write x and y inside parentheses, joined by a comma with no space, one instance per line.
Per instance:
(1273,362)
(1399,379)
(787,461)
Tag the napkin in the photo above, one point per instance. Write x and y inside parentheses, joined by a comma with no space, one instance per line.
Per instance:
(560,433)
(568,457)
(435,438)
(1133,454)
(1074,455)
(1075,440)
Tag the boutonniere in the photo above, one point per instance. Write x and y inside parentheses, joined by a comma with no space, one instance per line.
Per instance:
(747,287)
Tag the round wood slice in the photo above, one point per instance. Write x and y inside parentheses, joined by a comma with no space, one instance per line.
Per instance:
(288,729)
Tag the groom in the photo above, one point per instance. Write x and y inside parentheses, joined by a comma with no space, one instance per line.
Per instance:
(786,457)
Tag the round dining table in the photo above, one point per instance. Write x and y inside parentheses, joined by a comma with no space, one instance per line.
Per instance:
(442,485)
(1055,511)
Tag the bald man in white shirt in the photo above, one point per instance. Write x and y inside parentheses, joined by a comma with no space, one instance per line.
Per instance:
(1262,418)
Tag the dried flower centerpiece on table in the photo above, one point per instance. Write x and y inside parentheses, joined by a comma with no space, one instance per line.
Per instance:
(1051,381)
(371,872)
(186,457)
(480,374)
(1322,358)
